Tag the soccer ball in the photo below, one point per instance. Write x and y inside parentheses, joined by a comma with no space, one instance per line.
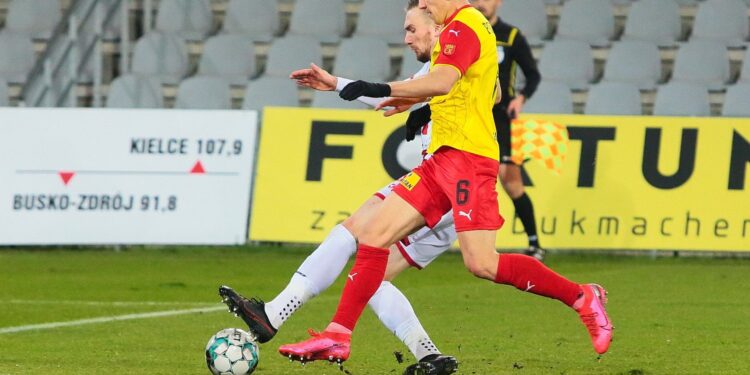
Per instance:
(232,351)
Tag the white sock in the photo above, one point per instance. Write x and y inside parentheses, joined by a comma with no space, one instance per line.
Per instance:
(314,275)
(396,313)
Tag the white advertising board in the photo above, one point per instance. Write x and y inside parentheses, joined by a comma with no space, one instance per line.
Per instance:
(110,176)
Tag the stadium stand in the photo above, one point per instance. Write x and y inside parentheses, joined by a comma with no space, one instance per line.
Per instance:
(702,62)
(656,21)
(551,97)
(382,19)
(231,57)
(721,21)
(745,73)
(161,55)
(682,99)
(112,28)
(271,91)
(737,101)
(3,93)
(322,19)
(257,20)
(634,61)
(33,18)
(283,35)
(203,93)
(363,58)
(292,52)
(190,19)
(568,61)
(530,16)
(133,91)
(16,58)
(614,98)
(86,75)
(591,21)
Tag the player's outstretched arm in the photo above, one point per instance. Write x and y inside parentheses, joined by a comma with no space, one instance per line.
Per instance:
(341,83)
(319,79)
(314,77)
(438,82)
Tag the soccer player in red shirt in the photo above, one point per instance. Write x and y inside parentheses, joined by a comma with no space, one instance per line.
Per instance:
(461,175)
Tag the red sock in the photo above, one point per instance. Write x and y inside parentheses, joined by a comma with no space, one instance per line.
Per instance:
(361,283)
(530,275)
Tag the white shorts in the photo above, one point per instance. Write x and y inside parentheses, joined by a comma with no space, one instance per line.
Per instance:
(423,246)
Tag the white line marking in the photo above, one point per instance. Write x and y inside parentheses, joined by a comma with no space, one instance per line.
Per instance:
(106,319)
(103,303)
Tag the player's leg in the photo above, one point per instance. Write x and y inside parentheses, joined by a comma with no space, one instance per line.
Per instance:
(397,314)
(308,282)
(314,275)
(510,178)
(530,275)
(418,250)
(476,216)
(323,266)
(394,220)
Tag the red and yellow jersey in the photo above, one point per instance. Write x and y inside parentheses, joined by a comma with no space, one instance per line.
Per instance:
(462,119)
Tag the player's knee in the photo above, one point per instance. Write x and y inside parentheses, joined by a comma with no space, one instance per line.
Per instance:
(480,269)
(514,189)
(350,223)
(373,237)
(355,224)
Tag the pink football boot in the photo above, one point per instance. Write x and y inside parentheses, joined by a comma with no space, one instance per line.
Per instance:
(329,346)
(590,308)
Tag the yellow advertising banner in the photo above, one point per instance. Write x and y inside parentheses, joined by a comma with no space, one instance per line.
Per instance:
(626,183)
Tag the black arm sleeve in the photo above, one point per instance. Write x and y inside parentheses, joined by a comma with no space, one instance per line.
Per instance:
(526,61)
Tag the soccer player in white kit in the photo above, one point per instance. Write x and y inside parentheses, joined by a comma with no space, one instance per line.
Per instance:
(326,263)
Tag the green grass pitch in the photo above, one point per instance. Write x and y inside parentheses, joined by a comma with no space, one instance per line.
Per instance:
(672,316)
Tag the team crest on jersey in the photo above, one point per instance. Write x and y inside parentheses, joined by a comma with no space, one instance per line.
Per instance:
(410,181)
(449,49)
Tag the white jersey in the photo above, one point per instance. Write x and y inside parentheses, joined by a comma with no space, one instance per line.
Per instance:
(426,133)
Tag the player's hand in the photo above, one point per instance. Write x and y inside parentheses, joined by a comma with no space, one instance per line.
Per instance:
(398,105)
(515,106)
(417,119)
(314,77)
(363,88)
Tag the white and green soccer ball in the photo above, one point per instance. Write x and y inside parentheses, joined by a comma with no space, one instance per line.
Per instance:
(232,351)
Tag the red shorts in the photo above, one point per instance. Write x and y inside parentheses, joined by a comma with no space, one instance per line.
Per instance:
(458,180)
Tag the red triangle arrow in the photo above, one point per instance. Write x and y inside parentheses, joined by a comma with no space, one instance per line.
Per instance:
(198,168)
(66,177)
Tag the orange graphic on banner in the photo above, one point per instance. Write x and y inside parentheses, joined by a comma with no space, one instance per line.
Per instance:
(544,141)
